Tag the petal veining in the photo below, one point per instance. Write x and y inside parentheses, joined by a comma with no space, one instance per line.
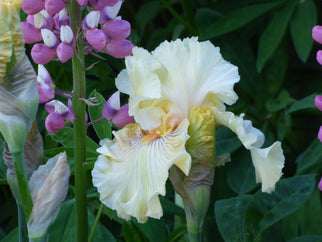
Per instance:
(130,174)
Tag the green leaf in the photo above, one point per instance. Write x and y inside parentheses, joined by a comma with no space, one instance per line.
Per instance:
(103,127)
(279,103)
(241,164)
(305,103)
(65,137)
(264,209)
(177,234)
(236,19)
(132,233)
(226,141)
(284,124)
(306,238)
(273,34)
(170,207)
(206,17)
(154,229)
(303,20)
(12,236)
(230,216)
(147,13)
(310,161)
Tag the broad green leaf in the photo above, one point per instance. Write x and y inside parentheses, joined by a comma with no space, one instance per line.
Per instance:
(103,127)
(241,164)
(284,124)
(177,234)
(12,236)
(132,233)
(264,209)
(310,161)
(280,102)
(305,103)
(273,34)
(230,216)
(236,19)
(147,13)
(154,229)
(306,238)
(303,20)
(170,207)
(226,141)
(65,137)
(205,17)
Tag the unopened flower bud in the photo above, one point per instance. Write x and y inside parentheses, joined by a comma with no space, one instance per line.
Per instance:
(54,122)
(96,38)
(42,54)
(318,102)
(64,52)
(91,20)
(319,57)
(48,186)
(320,134)
(117,29)
(32,6)
(320,185)
(119,49)
(317,34)
(45,85)
(54,6)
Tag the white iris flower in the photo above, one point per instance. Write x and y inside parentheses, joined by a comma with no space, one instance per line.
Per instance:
(180,85)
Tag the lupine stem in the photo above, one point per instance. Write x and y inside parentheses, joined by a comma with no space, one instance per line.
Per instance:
(79,87)
(22,225)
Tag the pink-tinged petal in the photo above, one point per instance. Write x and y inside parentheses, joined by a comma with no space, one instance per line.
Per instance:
(68,116)
(119,49)
(43,20)
(42,54)
(45,91)
(96,38)
(108,13)
(44,74)
(49,38)
(320,134)
(64,52)
(122,118)
(96,4)
(109,3)
(318,101)
(82,2)
(117,29)
(111,106)
(70,108)
(320,184)
(32,7)
(54,122)
(317,34)
(319,57)
(60,108)
(30,33)
(54,6)
(91,20)
(61,19)
(30,19)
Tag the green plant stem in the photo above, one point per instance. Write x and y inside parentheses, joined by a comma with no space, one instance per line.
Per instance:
(79,87)
(178,17)
(22,226)
(24,192)
(97,219)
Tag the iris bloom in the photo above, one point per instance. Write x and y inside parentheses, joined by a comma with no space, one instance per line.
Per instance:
(177,95)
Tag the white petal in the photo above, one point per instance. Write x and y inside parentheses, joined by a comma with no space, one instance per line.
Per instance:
(48,186)
(268,163)
(92,19)
(49,38)
(248,135)
(66,34)
(130,173)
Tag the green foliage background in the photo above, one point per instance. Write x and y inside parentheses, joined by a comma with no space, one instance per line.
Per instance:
(271,43)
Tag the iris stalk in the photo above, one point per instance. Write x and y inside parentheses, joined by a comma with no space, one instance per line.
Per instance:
(79,87)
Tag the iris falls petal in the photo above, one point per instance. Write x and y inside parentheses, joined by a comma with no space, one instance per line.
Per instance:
(132,169)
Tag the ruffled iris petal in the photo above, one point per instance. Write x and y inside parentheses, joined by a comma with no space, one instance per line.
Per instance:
(130,173)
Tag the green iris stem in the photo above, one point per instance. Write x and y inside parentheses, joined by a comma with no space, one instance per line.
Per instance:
(97,219)
(24,191)
(79,87)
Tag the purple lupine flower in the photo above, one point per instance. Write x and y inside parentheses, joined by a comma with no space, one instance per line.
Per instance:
(54,6)
(108,13)
(91,20)
(42,20)
(70,108)
(61,19)
(318,102)
(42,54)
(119,49)
(320,185)
(320,134)
(65,49)
(317,33)
(96,38)
(117,29)
(32,7)
(58,113)
(46,87)
(112,111)
(82,2)
(30,33)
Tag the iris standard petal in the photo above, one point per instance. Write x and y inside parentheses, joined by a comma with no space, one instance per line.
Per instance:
(268,164)
(132,169)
